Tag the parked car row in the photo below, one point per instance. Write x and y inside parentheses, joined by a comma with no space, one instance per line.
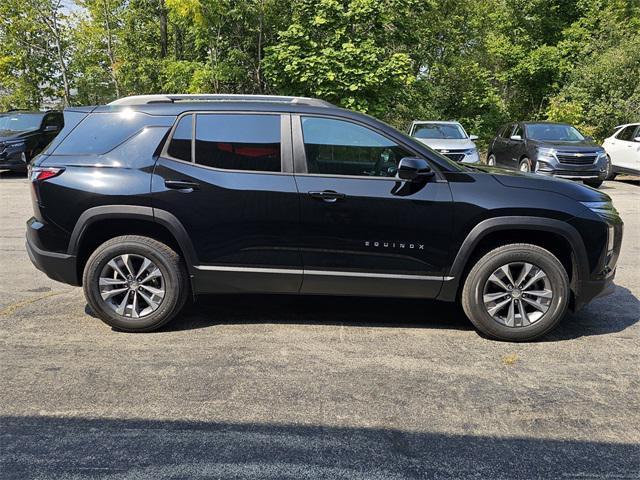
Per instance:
(546,148)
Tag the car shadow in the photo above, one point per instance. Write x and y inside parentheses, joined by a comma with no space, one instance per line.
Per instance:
(210,310)
(608,315)
(82,448)
(10,174)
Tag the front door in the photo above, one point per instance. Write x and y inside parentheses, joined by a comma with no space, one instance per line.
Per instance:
(363,231)
(234,192)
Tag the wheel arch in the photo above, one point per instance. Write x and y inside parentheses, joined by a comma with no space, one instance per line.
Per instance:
(562,239)
(98,224)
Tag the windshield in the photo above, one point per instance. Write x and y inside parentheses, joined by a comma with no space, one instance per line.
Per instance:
(20,122)
(439,130)
(550,131)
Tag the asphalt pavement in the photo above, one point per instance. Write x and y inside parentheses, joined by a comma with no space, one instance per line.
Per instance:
(339,388)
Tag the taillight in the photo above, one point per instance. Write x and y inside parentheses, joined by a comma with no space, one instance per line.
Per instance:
(39,174)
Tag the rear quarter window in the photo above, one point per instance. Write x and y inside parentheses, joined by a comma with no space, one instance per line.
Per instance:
(100,133)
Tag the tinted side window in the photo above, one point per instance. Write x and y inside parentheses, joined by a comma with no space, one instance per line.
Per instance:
(503,131)
(180,146)
(238,142)
(517,130)
(53,119)
(338,147)
(626,133)
(100,133)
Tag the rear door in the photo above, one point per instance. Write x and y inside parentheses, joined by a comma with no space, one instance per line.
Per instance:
(514,148)
(627,152)
(501,144)
(364,232)
(234,192)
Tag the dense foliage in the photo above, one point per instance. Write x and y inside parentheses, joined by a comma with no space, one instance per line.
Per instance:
(481,62)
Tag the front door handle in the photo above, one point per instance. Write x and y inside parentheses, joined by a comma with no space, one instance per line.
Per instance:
(181,185)
(328,196)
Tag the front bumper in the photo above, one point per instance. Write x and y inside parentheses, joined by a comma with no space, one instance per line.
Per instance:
(57,266)
(13,161)
(593,289)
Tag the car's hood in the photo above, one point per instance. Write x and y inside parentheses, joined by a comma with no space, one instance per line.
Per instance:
(583,146)
(532,181)
(9,135)
(447,143)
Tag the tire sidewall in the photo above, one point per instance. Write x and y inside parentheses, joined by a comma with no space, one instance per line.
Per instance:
(94,267)
(528,163)
(559,284)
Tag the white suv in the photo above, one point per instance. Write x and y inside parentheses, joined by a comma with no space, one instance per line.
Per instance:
(623,148)
(448,138)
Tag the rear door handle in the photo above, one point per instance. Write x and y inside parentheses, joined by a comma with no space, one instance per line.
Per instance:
(181,185)
(328,196)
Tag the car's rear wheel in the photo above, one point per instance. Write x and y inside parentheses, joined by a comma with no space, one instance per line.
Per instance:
(525,165)
(491,160)
(135,283)
(516,292)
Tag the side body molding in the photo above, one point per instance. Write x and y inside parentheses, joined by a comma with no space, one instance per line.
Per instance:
(112,212)
(450,288)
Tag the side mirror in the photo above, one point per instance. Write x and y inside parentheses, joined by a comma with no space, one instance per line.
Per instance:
(414,169)
(473,138)
(516,137)
(51,128)
(637,139)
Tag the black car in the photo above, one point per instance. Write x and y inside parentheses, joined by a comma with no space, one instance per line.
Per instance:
(154,199)
(555,149)
(24,134)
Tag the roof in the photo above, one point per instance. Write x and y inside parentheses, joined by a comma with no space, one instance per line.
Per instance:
(175,98)
(425,122)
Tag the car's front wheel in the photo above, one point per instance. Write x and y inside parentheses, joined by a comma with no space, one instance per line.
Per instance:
(491,160)
(135,283)
(516,292)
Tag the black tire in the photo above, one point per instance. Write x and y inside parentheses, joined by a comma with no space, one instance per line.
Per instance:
(525,163)
(610,173)
(594,183)
(473,292)
(174,276)
(491,160)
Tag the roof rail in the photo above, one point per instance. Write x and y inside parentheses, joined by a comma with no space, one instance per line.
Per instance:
(173,98)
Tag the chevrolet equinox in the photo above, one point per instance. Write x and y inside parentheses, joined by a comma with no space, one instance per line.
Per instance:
(150,200)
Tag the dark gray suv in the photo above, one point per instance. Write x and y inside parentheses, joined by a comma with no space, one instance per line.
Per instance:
(556,149)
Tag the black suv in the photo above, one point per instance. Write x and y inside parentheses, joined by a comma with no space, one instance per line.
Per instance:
(547,148)
(152,199)
(25,134)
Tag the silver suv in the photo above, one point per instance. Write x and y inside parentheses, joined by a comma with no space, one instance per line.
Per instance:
(448,138)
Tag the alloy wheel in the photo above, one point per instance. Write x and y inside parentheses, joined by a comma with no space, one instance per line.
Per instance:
(517,294)
(132,285)
(524,167)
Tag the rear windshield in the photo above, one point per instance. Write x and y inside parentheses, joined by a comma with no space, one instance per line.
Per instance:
(100,133)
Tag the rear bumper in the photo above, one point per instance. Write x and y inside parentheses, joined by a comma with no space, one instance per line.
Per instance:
(57,266)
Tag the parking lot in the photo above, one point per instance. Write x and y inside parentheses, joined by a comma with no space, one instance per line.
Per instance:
(285,387)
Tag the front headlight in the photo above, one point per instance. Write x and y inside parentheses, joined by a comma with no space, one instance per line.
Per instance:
(473,154)
(602,209)
(546,154)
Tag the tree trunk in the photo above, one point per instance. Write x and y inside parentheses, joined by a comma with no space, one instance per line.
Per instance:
(163,29)
(110,52)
